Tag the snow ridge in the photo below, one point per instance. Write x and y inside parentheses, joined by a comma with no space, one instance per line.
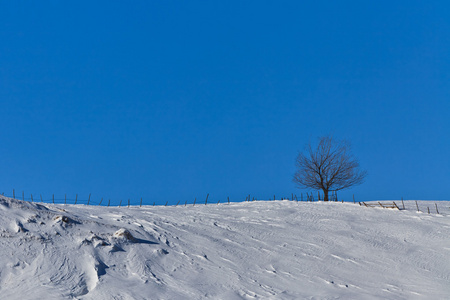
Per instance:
(252,250)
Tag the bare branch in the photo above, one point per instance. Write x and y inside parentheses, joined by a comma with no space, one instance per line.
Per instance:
(329,167)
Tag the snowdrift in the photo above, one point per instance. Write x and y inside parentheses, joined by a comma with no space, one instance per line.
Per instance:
(252,250)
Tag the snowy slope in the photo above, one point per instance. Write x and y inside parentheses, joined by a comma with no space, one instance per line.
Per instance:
(252,250)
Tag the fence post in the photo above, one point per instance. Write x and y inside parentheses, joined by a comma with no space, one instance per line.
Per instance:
(65,199)
(23,195)
(41,198)
(354,198)
(273,197)
(89,199)
(100,201)
(166,203)
(120,203)
(417,206)
(395,204)
(228,200)
(31,197)
(128,203)
(53,198)
(76,198)
(403,204)
(195,200)
(177,203)
(140,205)
(14,194)
(436,208)
(206,201)
(185,203)
(109,200)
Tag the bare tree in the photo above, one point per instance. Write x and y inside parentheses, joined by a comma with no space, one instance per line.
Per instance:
(329,167)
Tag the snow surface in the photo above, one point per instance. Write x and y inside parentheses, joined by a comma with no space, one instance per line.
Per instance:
(251,250)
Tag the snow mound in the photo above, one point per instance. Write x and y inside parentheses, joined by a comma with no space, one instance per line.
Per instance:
(123,234)
(252,250)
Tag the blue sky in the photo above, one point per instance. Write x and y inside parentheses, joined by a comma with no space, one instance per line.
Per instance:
(171,100)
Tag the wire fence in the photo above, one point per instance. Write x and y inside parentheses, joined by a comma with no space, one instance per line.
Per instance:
(309,197)
(303,197)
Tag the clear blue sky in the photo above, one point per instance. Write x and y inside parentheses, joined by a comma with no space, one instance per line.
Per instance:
(171,100)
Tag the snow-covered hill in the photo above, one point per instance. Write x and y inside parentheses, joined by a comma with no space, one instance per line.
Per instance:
(252,250)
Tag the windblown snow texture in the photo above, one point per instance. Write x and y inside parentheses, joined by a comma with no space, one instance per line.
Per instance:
(252,250)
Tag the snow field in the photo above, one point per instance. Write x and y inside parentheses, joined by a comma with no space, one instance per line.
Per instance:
(250,250)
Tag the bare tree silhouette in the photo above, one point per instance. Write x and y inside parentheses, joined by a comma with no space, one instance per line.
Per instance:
(328,167)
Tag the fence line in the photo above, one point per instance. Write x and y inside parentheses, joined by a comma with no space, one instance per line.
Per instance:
(309,197)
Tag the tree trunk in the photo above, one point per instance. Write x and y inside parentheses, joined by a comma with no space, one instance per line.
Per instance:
(325,195)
